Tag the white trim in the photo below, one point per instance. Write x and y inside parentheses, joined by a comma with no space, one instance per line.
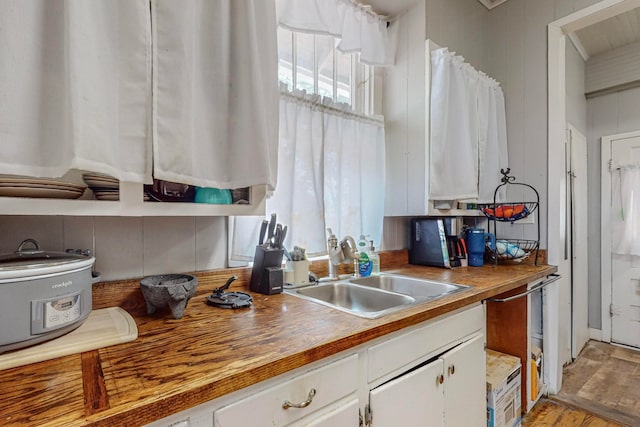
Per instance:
(595,334)
(579,46)
(605,229)
(593,14)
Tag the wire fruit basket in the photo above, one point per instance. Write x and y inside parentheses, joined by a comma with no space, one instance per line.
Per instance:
(512,250)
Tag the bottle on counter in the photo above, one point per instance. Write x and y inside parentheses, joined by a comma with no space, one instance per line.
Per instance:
(375,259)
(365,266)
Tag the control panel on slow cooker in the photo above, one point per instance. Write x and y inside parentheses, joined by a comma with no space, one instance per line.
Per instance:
(60,311)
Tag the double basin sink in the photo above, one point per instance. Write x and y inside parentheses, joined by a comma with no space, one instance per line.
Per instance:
(374,296)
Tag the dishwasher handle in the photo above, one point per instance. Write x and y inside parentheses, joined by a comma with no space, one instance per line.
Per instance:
(550,279)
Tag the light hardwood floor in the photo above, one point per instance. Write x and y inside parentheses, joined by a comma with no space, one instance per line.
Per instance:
(549,413)
(600,388)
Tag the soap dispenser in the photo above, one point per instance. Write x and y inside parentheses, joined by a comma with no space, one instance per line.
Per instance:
(365,265)
(375,259)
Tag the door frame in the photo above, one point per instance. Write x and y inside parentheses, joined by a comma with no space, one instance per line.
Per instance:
(605,229)
(557,32)
(575,309)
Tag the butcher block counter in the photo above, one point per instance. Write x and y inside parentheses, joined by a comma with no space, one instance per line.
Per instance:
(174,365)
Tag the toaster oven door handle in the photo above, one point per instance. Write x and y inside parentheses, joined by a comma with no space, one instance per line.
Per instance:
(550,279)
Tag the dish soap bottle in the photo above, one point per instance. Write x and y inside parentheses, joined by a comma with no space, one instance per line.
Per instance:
(365,265)
(375,259)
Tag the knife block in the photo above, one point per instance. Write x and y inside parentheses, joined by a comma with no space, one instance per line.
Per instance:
(266,275)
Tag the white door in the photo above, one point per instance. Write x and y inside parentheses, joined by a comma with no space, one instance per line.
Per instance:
(579,246)
(465,383)
(415,399)
(620,273)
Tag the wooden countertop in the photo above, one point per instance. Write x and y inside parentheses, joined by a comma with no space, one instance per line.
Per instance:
(210,352)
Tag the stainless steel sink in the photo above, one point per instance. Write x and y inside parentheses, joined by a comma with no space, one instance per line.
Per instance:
(418,288)
(375,296)
(355,299)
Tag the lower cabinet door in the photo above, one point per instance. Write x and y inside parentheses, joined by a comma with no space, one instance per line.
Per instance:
(413,399)
(465,384)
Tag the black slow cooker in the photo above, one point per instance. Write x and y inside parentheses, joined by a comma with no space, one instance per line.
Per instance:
(44,294)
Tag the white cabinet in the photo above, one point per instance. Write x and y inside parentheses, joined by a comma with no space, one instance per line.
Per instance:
(448,391)
(433,375)
(414,399)
(464,378)
(428,374)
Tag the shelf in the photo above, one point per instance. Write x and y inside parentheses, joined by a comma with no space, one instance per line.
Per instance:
(130,204)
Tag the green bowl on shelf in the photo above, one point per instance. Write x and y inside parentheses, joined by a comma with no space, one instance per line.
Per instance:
(213,196)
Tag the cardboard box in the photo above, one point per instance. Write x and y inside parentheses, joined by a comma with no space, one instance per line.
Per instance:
(504,407)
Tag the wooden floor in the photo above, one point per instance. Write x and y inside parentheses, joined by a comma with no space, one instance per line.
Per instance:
(600,388)
(550,413)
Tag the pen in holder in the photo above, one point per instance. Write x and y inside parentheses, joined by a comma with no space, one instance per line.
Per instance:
(266,275)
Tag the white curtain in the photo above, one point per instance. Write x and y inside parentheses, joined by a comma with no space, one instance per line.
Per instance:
(215,92)
(75,87)
(358,29)
(330,174)
(625,211)
(468,131)
(492,139)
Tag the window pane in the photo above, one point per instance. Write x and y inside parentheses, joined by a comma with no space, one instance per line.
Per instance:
(285,57)
(324,46)
(304,62)
(344,77)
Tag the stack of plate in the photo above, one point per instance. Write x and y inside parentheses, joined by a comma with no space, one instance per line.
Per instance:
(104,187)
(16,186)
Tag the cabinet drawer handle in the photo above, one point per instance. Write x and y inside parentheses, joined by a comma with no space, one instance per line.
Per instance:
(439,379)
(287,404)
(452,370)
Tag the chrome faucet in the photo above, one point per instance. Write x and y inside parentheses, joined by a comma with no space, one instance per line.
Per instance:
(350,251)
(344,252)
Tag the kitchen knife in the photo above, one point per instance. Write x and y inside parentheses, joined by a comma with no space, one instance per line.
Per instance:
(277,242)
(263,230)
(272,227)
(283,235)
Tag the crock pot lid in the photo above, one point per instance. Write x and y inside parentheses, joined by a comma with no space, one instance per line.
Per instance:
(36,258)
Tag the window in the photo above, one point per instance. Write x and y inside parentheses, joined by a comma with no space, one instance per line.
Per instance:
(312,63)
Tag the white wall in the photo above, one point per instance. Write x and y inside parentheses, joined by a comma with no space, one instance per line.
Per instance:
(127,247)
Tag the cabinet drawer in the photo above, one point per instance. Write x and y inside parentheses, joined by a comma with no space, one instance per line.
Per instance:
(401,353)
(331,383)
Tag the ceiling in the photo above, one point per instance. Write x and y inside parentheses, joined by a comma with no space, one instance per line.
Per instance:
(615,32)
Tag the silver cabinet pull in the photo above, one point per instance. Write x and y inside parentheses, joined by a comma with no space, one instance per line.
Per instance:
(550,279)
(287,404)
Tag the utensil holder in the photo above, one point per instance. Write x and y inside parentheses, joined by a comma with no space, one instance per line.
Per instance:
(266,275)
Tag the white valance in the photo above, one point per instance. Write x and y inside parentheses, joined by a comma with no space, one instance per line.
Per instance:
(75,88)
(215,87)
(358,28)
(330,174)
(468,131)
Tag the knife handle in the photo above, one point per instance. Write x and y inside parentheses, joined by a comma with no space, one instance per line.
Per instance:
(263,230)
